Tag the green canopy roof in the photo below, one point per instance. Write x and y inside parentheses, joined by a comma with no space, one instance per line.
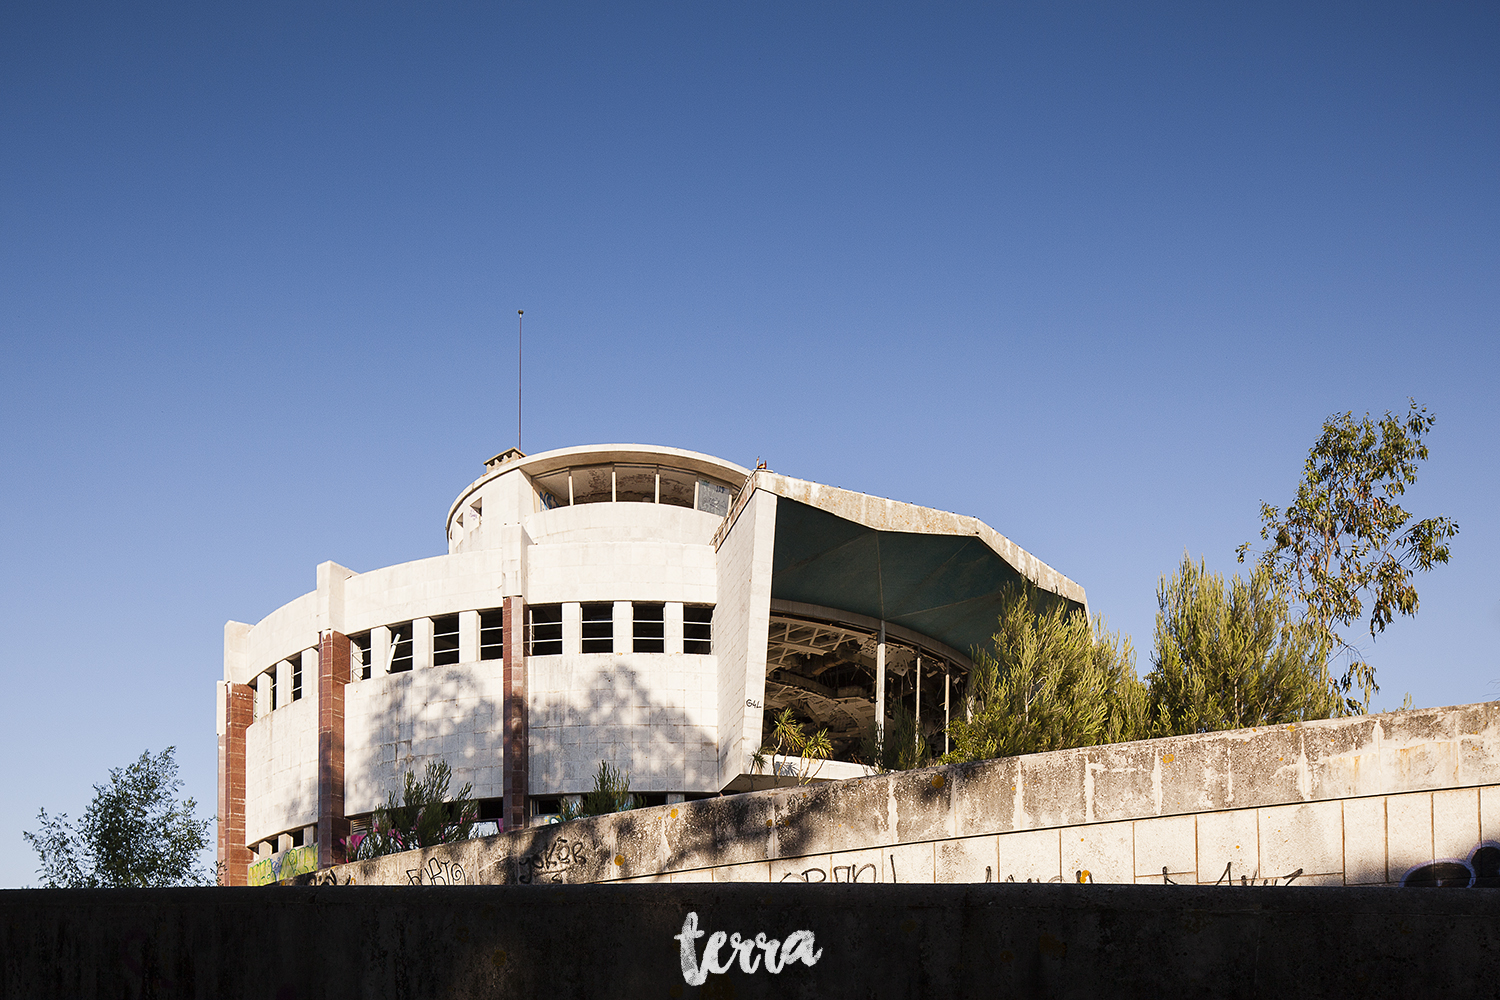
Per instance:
(944,586)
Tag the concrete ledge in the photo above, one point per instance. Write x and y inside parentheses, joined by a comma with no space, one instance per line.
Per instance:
(891,941)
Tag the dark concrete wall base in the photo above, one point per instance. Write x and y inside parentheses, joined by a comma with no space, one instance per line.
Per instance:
(950,941)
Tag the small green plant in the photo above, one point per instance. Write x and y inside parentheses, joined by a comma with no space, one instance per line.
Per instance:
(611,794)
(790,742)
(424,817)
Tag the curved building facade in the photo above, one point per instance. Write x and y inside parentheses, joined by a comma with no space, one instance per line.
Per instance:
(644,606)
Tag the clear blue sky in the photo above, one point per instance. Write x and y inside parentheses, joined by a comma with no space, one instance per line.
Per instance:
(1095,275)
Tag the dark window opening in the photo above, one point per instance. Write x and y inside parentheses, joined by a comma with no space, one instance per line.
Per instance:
(270,676)
(652,798)
(400,648)
(296,662)
(697,628)
(598,628)
(445,640)
(650,630)
(491,809)
(297,837)
(359,656)
(491,634)
(544,630)
(546,807)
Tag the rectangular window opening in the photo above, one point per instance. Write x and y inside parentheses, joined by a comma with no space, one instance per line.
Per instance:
(492,634)
(296,662)
(598,628)
(270,676)
(650,628)
(544,630)
(698,628)
(400,648)
(445,640)
(359,656)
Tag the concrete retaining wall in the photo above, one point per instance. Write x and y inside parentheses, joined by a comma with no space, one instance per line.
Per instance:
(1363,801)
(855,941)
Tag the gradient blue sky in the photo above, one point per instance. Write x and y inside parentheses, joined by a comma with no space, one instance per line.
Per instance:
(1095,274)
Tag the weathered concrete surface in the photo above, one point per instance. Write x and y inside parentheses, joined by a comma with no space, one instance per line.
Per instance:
(1359,801)
(870,941)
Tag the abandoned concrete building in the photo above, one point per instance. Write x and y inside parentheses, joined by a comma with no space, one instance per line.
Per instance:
(645,606)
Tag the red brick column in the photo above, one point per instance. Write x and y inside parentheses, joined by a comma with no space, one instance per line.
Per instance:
(514,759)
(234,856)
(333,675)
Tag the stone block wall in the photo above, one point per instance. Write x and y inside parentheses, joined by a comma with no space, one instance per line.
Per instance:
(1361,801)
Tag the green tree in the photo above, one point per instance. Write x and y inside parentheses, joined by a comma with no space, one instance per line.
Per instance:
(611,794)
(1231,657)
(1345,538)
(789,740)
(1052,680)
(424,816)
(133,833)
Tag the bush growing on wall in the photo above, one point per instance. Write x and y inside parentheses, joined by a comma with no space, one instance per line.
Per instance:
(424,816)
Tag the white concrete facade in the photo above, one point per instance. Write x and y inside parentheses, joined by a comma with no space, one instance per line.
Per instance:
(601,543)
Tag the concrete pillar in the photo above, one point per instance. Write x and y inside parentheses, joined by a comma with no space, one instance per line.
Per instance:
(624,626)
(572,628)
(421,643)
(310,659)
(380,651)
(468,637)
(918,726)
(237,703)
(514,777)
(333,678)
(880,685)
(283,684)
(263,694)
(947,691)
(283,842)
(672,625)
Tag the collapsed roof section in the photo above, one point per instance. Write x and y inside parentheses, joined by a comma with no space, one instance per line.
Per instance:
(936,573)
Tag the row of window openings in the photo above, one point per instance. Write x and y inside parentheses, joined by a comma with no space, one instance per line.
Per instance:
(543,635)
(275,693)
(648,632)
(632,483)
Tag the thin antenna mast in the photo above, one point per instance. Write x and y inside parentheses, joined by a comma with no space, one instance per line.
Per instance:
(519,314)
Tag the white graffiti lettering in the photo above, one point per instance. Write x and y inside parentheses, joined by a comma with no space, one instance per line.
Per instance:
(799,946)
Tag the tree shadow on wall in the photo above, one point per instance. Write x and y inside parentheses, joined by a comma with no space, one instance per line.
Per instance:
(398,723)
(607,713)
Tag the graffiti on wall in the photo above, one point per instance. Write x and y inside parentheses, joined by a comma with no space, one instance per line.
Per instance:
(288,864)
(1480,870)
(436,872)
(841,873)
(552,864)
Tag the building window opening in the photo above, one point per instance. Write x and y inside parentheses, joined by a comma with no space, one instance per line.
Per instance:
(650,629)
(635,483)
(594,484)
(445,641)
(298,836)
(270,681)
(359,656)
(598,628)
(544,630)
(714,498)
(677,488)
(296,662)
(491,634)
(697,628)
(400,648)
